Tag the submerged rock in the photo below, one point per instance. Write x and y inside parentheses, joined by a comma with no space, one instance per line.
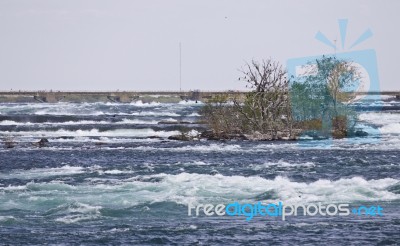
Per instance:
(166,122)
(214,172)
(154,137)
(209,135)
(360,133)
(395,188)
(9,144)
(315,134)
(181,137)
(43,142)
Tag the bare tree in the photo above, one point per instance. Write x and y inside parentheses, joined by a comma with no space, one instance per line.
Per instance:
(267,107)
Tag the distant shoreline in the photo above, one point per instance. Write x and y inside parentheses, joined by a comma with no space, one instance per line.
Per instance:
(110,96)
(128,96)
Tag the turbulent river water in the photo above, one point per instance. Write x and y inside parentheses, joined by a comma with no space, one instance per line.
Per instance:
(109,175)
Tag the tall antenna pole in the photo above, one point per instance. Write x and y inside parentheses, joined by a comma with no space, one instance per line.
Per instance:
(180,67)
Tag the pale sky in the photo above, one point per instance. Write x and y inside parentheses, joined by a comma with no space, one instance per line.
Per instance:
(134,45)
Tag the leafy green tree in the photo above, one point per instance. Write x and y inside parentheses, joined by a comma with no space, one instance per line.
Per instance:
(324,92)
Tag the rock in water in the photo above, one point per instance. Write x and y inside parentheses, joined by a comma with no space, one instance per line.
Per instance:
(181,137)
(43,142)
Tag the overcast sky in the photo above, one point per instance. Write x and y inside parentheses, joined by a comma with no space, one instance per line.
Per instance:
(134,45)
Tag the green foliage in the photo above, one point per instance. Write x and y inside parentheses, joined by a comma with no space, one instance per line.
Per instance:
(323,95)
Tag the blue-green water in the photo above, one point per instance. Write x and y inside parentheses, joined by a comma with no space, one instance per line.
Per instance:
(110,176)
